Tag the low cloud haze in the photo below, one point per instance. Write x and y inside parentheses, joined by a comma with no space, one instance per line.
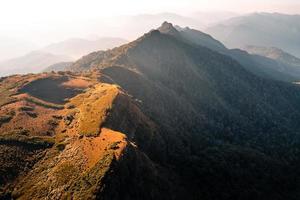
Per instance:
(33,24)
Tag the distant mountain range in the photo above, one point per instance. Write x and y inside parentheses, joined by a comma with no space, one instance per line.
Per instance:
(64,51)
(260,29)
(33,62)
(61,66)
(269,63)
(78,47)
(11,47)
(256,29)
(273,53)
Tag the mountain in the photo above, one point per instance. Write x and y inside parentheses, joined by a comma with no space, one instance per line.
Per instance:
(13,47)
(78,47)
(65,51)
(260,29)
(62,66)
(262,65)
(209,109)
(33,62)
(273,53)
(202,39)
(212,17)
(158,118)
(284,63)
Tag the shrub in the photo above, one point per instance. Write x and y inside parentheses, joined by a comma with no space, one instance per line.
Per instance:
(26,108)
(60,146)
(5,119)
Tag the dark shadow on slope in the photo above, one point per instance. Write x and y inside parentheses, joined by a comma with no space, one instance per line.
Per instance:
(50,90)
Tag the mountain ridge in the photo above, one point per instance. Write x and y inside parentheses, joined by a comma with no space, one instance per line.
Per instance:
(161,117)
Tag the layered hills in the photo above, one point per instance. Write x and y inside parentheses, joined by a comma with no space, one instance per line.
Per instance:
(171,115)
(58,54)
(32,62)
(266,62)
(260,29)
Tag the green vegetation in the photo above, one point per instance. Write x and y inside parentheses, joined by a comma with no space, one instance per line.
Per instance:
(115,145)
(26,108)
(70,106)
(20,137)
(5,95)
(60,146)
(9,87)
(205,129)
(227,133)
(5,119)
(43,103)
(32,114)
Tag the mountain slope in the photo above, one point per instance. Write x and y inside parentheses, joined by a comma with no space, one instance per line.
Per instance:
(202,39)
(207,105)
(262,65)
(260,29)
(62,66)
(63,145)
(158,118)
(155,55)
(273,53)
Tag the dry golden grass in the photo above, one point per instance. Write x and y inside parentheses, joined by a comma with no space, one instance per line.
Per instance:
(95,148)
(83,150)
(37,121)
(77,83)
(93,107)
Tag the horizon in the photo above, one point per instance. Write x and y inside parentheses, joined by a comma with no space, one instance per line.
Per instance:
(38,18)
(33,24)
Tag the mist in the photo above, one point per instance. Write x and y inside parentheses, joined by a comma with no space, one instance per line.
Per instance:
(33,24)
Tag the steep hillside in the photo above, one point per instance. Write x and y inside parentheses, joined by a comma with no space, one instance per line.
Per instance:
(266,67)
(202,39)
(28,124)
(76,147)
(273,53)
(283,67)
(207,105)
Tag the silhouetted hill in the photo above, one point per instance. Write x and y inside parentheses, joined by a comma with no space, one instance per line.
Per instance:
(209,109)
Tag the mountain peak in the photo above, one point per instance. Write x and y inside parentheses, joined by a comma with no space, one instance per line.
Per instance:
(167,28)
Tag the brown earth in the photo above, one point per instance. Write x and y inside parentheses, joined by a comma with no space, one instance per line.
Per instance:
(63,142)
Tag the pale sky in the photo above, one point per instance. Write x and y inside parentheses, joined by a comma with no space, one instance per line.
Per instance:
(46,21)
(24,11)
